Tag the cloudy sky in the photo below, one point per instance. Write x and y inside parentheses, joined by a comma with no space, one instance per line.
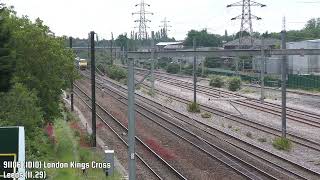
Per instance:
(77,17)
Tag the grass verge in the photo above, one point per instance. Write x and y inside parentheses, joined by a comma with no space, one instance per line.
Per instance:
(68,148)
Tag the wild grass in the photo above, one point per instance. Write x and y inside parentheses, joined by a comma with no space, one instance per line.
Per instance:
(282,144)
(193,107)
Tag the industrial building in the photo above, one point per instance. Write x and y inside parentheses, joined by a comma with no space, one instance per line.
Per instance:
(304,64)
(296,64)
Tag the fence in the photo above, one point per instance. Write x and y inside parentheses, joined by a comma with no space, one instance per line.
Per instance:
(307,82)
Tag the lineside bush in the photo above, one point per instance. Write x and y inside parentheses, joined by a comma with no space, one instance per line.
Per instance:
(216,81)
(282,143)
(193,107)
(116,73)
(234,84)
(173,68)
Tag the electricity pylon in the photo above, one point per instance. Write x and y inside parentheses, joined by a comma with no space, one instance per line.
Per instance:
(165,27)
(246,18)
(142,34)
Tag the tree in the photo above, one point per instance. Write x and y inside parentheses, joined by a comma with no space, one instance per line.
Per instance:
(203,38)
(20,107)
(6,65)
(122,40)
(41,61)
(244,33)
(312,24)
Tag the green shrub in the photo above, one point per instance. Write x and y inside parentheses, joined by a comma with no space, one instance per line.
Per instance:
(282,143)
(116,73)
(206,115)
(216,81)
(173,68)
(193,107)
(234,84)
(163,63)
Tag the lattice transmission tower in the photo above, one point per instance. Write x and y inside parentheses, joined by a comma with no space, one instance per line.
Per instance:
(246,18)
(165,27)
(142,21)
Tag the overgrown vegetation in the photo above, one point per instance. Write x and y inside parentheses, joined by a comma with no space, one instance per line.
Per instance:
(234,84)
(282,143)
(173,68)
(117,73)
(206,115)
(216,81)
(34,67)
(193,107)
(70,148)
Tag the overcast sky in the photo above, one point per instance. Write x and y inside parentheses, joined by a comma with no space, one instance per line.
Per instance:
(77,17)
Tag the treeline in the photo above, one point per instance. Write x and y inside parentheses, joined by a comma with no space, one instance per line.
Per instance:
(206,39)
(35,67)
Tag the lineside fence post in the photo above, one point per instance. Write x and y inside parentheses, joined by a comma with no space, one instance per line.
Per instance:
(111,50)
(131,119)
(202,67)
(71,93)
(237,66)
(152,63)
(93,89)
(194,73)
(263,58)
(284,85)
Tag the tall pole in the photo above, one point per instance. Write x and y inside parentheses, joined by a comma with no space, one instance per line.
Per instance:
(152,63)
(284,85)
(194,73)
(202,67)
(237,66)
(93,89)
(111,48)
(131,119)
(262,69)
(70,41)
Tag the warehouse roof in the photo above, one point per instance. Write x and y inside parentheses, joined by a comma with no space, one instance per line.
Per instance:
(168,43)
(256,42)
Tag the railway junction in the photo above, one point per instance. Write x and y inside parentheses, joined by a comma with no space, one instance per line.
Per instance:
(147,123)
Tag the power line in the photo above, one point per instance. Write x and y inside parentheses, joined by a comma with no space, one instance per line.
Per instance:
(165,27)
(142,34)
(246,18)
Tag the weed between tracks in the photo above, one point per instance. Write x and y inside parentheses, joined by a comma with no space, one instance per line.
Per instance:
(206,115)
(282,143)
(193,107)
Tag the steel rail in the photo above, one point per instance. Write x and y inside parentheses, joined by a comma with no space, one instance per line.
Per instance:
(293,163)
(139,140)
(253,104)
(230,163)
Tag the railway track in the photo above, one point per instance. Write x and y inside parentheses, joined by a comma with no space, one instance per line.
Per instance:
(158,166)
(315,145)
(207,79)
(293,114)
(268,163)
(240,166)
